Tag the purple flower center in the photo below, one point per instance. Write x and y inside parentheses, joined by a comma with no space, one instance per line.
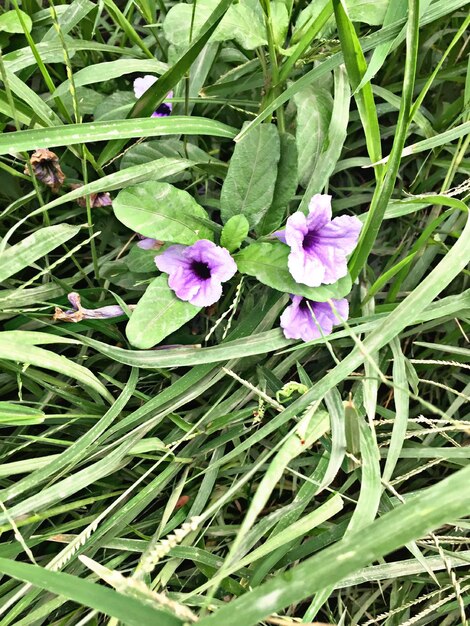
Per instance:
(164,109)
(304,305)
(310,240)
(201,269)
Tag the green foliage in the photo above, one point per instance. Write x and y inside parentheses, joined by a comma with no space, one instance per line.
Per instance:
(157,314)
(234,232)
(12,22)
(171,464)
(285,187)
(268,262)
(163,212)
(251,178)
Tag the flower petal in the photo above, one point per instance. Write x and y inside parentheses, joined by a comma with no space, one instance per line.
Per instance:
(147,243)
(296,229)
(142,84)
(184,283)
(281,235)
(319,211)
(171,259)
(333,262)
(342,232)
(219,260)
(308,320)
(307,269)
(297,322)
(209,292)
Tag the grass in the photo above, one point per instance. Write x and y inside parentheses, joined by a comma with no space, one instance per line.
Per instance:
(236,477)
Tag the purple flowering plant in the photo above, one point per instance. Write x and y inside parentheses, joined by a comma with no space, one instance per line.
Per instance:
(198,251)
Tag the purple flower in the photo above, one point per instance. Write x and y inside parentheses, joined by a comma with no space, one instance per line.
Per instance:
(308,320)
(319,245)
(147,243)
(196,272)
(140,87)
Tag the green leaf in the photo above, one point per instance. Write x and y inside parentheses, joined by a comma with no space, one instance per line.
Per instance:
(124,608)
(179,20)
(395,10)
(157,314)
(234,232)
(118,129)
(143,153)
(163,212)
(101,72)
(334,141)
(19,415)
(285,187)
(141,261)
(368,11)
(314,106)
(10,22)
(356,67)
(268,263)
(12,348)
(280,21)
(249,186)
(242,22)
(157,93)
(33,247)
(435,12)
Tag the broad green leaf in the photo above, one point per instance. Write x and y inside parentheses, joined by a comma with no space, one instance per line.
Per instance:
(158,314)
(33,247)
(368,11)
(19,415)
(234,232)
(102,131)
(142,153)
(123,607)
(249,185)
(280,21)
(268,263)
(314,106)
(308,16)
(10,22)
(242,22)
(115,107)
(179,19)
(139,260)
(334,142)
(163,212)
(285,187)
